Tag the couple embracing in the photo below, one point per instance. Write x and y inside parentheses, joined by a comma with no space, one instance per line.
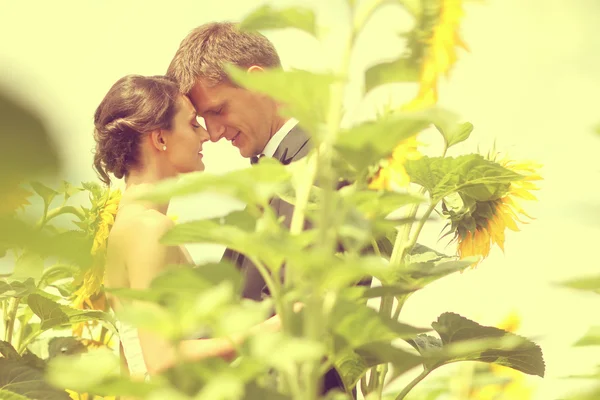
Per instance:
(147,130)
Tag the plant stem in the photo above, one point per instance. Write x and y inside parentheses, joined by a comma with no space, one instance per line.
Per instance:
(28,341)
(412,384)
(48,215)
(11,317)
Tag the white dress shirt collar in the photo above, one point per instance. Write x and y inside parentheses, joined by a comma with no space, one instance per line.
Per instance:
(278,137)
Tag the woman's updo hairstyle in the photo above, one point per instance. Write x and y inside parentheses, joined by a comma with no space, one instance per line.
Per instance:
(134,105)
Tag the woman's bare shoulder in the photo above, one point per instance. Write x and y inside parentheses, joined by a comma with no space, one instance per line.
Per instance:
(140,223)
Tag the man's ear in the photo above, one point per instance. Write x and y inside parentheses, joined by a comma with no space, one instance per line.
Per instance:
(158,139)
(255,68)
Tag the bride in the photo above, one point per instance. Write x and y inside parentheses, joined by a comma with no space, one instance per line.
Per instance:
(146,131)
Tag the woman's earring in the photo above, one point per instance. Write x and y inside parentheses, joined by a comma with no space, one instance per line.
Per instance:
(165,148)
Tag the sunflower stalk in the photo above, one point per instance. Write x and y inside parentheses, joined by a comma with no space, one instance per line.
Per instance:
(11,317)
(412,384)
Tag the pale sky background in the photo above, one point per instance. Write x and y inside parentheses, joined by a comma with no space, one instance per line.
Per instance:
(531,83)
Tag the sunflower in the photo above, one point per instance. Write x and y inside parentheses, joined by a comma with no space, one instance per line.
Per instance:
(104,218)
(434,43)
(392,171)
(486,224)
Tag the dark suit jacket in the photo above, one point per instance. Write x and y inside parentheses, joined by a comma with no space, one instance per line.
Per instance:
(294,146)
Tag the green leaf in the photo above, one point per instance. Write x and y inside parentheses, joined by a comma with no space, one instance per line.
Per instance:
(353,364)
(403,69)
(455,133)
(17,289)
(53,314)
(28,150)
(8,395)
(254,185)
(197,279)
(270,245)
(366,144)
(360,325)
(384,352)
(94,372)
(253,391)
(8,351)
(28,265)
(466,340)
(267,17)
(304,95)
(425,266)
(69,190)
(471,175)
(290,350)
(381,203)
(21,378)
(591,338)
(588,283)
(46,193)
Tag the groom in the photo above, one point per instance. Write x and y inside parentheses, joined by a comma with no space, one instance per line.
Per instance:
(250,121)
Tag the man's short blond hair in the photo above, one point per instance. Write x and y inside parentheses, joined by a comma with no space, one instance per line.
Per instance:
(207,49)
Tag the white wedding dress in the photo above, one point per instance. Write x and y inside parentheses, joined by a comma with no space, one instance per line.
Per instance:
(130,340)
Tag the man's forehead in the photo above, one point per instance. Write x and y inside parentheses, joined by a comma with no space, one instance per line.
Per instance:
(205,97)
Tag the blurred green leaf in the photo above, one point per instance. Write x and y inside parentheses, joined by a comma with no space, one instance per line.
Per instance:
(8,351)
(46,193)
(348,269)
(403,69)
(471,175)
(222,386)
(27,151)
(253,391)
(8,395)
(588,283)
(466,340)
(17,289)
(95,372)
(381,203)
(18,377)
(592,394)
(267,17)
(28,265)
(290,350)
(384,352)
(254,185)
(591,338)
(366,144)
(353,364)
(53,314)
(304,95)
(71,246)
(360,325)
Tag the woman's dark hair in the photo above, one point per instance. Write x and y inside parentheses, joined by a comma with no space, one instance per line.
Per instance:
(134,105)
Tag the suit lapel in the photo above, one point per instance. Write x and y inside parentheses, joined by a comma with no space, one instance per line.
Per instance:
(294,145)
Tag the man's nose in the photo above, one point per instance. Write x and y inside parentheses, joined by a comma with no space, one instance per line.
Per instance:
(215,129)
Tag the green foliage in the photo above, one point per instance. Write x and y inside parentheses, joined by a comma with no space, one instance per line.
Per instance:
(304,95)
(591,338)
(349,237)
(54,315)
(254,185)
(470,175)
(465,340)
(401,69)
